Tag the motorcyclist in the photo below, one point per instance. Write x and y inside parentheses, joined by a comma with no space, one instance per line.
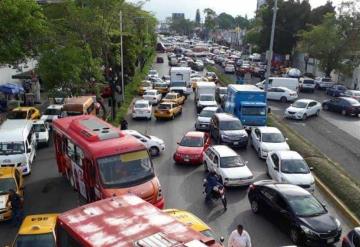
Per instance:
(212,181)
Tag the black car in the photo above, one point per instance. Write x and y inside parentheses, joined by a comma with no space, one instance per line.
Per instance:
(343,105)
(226,128)
(295,210)
(352,239)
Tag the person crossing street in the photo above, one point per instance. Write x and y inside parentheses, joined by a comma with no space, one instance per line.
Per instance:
(239,238)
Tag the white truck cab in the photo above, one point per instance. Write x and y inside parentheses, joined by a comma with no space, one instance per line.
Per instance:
(17,144)
(180,80)
(41,131)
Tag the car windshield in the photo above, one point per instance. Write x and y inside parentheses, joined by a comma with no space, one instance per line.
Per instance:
(305,206)
(146,84)
(125,170)
(141,105)
(326,79)
(273,137)
(253,111)
(300,104)
(164,107)
(231,125)
(294,166)
(206,113)
(170,96)
(150,93)
(7,148)
(308,82)
(206,98)
(208,233)
(6,184)
(160,85)
(54,112)
(353,102)
(223,90)
(178,84)
(230,162)
(17,115)
(192,141)
(38,240)
(39,128)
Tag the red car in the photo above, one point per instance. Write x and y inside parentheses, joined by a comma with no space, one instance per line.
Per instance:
(192,147)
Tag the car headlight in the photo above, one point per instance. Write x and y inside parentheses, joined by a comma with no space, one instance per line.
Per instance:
(265,149)
(338,223)
(307,230)
(224,136)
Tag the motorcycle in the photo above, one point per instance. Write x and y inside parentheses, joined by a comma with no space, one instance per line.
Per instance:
(218,192)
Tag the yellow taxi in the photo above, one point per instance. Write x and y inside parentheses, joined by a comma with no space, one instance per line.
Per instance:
(145,85)
(10,178)
(24,112)
(167,110)
(37,230)
(192,221)
(174,97)
(161,87)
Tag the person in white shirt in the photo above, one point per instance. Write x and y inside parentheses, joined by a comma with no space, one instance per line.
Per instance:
(239,238)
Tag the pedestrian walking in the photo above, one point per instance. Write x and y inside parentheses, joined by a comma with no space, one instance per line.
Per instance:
(239,238)
(16,203)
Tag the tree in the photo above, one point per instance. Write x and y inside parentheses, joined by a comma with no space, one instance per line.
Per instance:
(317,14)
(325,43)
(242,22)
(182,26)
(210,19)
(197,18)
(22,28)
(225,21)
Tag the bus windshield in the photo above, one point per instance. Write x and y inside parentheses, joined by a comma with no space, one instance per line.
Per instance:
(7,148)
(254,111)
(125,170)
(39,240)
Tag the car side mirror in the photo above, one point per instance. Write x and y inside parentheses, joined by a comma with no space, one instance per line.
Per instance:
(286,139)
(283,211)
(246,162)
(323,204)
(178,143)
(222,239)
(311,168)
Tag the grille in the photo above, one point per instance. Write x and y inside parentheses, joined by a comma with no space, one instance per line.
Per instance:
(7,165)
(291,112)
(331,234)
(305,186)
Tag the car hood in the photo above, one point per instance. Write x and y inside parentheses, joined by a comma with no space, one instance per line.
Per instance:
(275,146)
(3,200)
(189,150)
(207,103)
(12,158)
(234,132)
(298,179)
(236,172)
(156,139)
(322,224)
(48,117)
(295,109)
(203,119)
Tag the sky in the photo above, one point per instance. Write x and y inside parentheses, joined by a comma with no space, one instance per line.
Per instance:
(164,8)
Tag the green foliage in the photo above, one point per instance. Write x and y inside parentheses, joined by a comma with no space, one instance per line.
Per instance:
(224,79)
(22,27)
(182,26)
(242,22)
(210,19)
(225,21)
(317,14)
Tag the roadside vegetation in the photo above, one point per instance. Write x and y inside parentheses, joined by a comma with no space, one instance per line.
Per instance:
(224,79)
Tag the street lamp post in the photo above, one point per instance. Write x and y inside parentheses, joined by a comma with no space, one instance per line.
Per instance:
(268,67)
(306,60)
(122,58)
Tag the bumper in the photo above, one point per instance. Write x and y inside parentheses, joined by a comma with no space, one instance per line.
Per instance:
(5,215)
(238,182)
(235,143)
(293,116)
(141,115)
(202,126)
(315,240)
(42,140)
(160,204)
(187,160)
(263,154)
(163,116)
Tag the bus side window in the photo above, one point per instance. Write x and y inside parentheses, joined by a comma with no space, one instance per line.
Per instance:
(91,108)
(70,150)
(79,155)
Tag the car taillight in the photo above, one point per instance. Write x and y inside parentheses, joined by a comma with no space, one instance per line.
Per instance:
(159,194)
(167,111)
(154,98)
(251,187)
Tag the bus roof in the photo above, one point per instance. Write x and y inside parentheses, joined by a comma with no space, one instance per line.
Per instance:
(129,221)
(96,136)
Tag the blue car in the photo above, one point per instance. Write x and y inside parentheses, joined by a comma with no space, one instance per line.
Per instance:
(336,90)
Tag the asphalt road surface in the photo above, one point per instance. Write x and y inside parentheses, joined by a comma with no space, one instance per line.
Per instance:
(335,135)
(47,192)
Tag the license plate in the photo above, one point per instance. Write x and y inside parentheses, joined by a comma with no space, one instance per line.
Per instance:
(203,125)
(186,160)
(236,143)
(330,240)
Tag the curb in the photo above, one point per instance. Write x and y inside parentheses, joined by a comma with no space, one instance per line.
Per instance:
(338,203)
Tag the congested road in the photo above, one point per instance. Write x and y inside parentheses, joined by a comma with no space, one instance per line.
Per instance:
(335,135)
(47,192)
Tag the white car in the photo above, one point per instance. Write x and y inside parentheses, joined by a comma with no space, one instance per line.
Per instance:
(267,139)
(142,109)
(205,100)
(153,144)
(51,113)
(290,167)
(281,93)
(229,68)
(228,165)
(152,95)
(153,73)
(41,132)
(307,84)
(302,109)
(323,82)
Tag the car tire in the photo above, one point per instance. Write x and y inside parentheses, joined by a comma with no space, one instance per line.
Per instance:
(206,169)
(154,151)
(343,112)
(255,207)
(325,107)
(267,172)
(295,236)
(304,117)
(283,99)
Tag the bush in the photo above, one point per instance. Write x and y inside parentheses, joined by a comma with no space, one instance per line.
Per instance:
(329,172)
(131,90)
(224,79)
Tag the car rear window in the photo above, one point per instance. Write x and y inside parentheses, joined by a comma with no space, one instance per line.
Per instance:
(308,82)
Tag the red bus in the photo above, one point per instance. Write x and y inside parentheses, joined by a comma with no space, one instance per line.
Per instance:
(125,221)
(100,161)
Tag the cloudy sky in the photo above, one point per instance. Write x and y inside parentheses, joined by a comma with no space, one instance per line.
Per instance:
(164,8)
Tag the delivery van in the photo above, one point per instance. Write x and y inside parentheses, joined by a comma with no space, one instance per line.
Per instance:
(290,83)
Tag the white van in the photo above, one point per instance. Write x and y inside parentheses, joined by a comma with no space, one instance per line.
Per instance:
(17,144)
(180,80)
(290,83)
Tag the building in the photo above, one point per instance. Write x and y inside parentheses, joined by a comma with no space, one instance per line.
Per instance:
(178,16)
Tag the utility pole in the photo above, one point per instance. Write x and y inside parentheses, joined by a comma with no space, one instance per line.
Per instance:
(122,59)
(268,67)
